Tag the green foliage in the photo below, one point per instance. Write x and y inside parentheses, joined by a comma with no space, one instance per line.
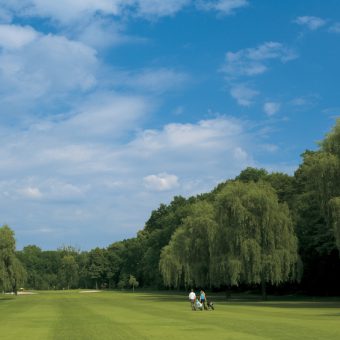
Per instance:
(69,272)
(252,175)
(187,257)
(254,241)
(249,239)
(335,209)
(133,282)
(157,234)
(12,273)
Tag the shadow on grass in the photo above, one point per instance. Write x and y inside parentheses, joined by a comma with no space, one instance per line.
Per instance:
(288,304)
(246,300)
(6,298)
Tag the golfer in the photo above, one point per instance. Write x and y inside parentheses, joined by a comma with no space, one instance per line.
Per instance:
(192,299)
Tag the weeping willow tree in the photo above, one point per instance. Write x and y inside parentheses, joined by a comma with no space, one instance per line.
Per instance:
(186,259)
(12,272)
(254,240)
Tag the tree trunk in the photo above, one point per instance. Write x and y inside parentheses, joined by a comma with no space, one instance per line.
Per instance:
(263,290)
(228,293)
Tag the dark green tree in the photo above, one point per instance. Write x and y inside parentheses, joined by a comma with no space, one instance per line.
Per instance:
(68,272)
(186,259)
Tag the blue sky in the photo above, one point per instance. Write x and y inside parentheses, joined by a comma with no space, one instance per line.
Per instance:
(111,107)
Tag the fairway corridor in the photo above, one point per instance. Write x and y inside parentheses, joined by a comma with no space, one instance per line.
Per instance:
(124,315)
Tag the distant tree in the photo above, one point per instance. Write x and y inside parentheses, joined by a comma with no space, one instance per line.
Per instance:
(68,272)
(97,266)
(285,187)
(114,255)
(133,282)
(252,175)
(123,281)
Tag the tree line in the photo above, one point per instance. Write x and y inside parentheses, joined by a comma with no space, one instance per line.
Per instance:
(259,230)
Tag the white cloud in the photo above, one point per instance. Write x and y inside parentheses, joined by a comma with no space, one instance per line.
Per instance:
(62,10)
(305,102)
(206,135)
(223,6)
(270,108)
(80,10)
(335,28)
(101,33)
(5,16)
(106,114)
(153,80)
(43,66)
(161,182)
(15,37)
(31,192)
(311,22)
(77,10)
(252,61)
(270,147)
(159,8)
(243,94)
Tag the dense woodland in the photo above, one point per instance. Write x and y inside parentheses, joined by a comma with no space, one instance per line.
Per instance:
(261,230)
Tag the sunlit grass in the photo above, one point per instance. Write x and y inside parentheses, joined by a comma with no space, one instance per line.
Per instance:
(124,315)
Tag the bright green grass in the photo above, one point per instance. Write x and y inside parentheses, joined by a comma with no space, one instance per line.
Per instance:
(116,315)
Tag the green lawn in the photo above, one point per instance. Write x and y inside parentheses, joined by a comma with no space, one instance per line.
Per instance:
(115,315)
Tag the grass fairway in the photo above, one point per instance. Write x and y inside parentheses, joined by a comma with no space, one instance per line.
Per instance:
(116,315)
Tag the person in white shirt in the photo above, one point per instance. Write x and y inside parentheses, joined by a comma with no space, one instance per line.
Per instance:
(192,299)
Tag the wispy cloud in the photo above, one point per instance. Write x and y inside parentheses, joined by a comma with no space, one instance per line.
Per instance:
(271,108)
(42,66)
(335,28)
(31,192)
(254,61)
(154,80)
(311,22)
(78,10)
(161,182)
(159,8)
(226,7)
(249,63)
(243,94)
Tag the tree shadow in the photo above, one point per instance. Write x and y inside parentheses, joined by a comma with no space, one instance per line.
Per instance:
(251,301)
(5,298)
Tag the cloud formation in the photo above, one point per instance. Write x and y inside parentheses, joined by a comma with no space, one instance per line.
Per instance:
(161,182)
(251,62)
(225,7)
(254,61)
(270,108)
(243,94)
(311,22)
